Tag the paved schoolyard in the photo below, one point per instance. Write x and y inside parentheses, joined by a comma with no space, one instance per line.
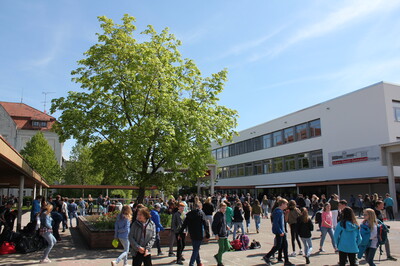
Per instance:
(72,250)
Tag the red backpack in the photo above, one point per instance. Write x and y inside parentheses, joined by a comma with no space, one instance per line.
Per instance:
(236,244)
(7,248)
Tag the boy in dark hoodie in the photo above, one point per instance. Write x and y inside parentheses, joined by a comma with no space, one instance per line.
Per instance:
(278,228)
(220,230)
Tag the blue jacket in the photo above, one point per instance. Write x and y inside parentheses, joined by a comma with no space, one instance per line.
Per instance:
(45,220)
(278,222)
(35,209)
(122,227)
(155,217)
(366,242)
(347,239)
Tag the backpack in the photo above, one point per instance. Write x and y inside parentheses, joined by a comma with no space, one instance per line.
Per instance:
(236,244)
(7,248)
(29,244)
(383,231)
(245,241)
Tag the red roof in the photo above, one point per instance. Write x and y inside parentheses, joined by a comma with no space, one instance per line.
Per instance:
(23,115)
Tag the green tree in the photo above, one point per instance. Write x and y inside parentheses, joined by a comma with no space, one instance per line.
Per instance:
(40,155)
(152,107)
(81,169)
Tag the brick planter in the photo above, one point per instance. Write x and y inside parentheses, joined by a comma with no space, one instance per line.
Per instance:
(101,239)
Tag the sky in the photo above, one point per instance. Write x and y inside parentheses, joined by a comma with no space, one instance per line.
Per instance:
(281,56)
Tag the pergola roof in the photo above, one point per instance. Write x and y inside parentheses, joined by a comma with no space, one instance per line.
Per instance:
(13,165)
(100,187)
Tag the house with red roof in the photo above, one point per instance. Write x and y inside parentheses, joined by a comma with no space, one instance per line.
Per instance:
(19,122)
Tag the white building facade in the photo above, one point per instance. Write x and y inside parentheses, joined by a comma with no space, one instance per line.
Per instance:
(331,147)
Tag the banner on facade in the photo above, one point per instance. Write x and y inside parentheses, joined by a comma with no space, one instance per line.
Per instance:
(365,154)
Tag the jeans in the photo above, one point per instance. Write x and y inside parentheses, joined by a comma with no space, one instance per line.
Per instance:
(236,226)
(223,246)
(335,214)
(195,253)
(307,243)
(257,220)
(389,211)
(343,257)
(295,237)
(51,241)
(280,243)
(82,211)
(124,255)
(324,231)
(265,211)
(56,227)
(140,259)
(71,216)
(209,219)
(247,224)
(369,256)
(180,243)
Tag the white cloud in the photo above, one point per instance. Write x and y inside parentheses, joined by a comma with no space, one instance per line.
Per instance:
(336,20)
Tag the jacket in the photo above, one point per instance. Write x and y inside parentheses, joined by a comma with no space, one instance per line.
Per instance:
(155,217)
(256,210)
(229,215)
(219,225)
(247,212)
(365,233)
(45,220)
(122,227)
(208,208)
(304,229)
(138,238)
(347,237)
(292,216)
(196,223)
(237,215)
(278,220)
(177,221)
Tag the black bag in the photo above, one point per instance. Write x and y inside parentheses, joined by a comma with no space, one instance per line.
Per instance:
(29,229)
(29,244)
(9,236)
(255,244)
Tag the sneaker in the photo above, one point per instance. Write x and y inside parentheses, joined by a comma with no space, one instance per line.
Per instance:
(171,254)
(293,254)
(288,263)
(391,258)
(180,262)
(215,257)
(182,258)
(114,263)
(45,261)
(267,260)
(307,260)
(127,265)
(321,250)
(160,253)
(301,252)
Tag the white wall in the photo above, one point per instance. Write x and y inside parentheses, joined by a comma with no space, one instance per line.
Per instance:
(7,127)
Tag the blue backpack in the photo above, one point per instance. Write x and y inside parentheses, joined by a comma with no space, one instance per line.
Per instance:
(383,231)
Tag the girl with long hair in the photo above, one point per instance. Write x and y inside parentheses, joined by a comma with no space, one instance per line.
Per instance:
(304,228)
(265,206)
(46,230)
(369,233)
(347,237)
(247,214)
(326,227)
(291,217)
(122,229)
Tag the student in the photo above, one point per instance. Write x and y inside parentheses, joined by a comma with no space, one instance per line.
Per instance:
(238,219)
(46,231)
(35,207)
(278,228)
(122,229)
(378,212)
(220,230)
(64,213)
(176,224)
(326,227)
(228,215)
(347,237)
(208,209)
(72,212)
(256,214)
(389,206)
(291,217)
(142,237)
(155,217)
(265,206)
(304,227)
(334,202)
(247,214)
(195,221)
(369,233)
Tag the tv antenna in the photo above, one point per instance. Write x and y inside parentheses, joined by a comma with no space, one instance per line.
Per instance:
(22,95)
(45,99)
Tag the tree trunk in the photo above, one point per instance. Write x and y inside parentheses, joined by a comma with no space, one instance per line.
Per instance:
(140,197)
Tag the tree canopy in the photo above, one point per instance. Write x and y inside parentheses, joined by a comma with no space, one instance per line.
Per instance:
(146,109)
(40,155)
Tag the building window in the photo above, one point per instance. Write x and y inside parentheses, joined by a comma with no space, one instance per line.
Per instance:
(240,148)
(35,124)
(43,124)
(258,143)
(240,170)
(267,141)
(278,165)
(232,150)
(277,138)
(316,159)
(219,153)
(249,169)
(249,146)
(303,161)
(290,163)
(232,171)
(258,168)
(224,172)
(396,108)
(301,131)
(267,166)
(214,154)
(225,152)
(289,134)
(315,128)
